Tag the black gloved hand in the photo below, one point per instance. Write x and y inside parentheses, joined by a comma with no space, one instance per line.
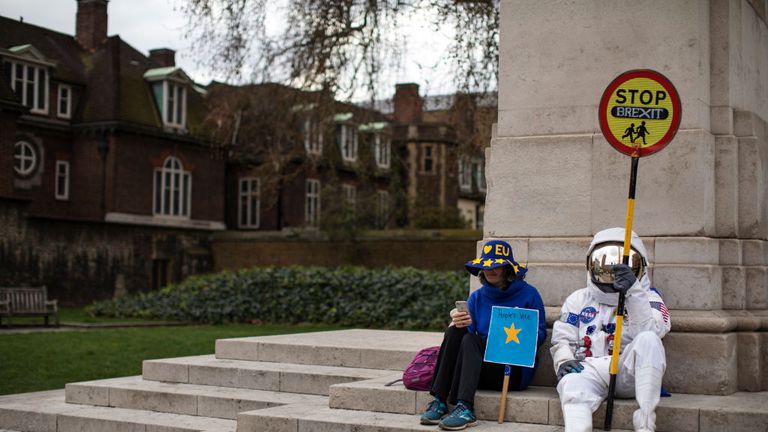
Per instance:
(569,366)
(623,278)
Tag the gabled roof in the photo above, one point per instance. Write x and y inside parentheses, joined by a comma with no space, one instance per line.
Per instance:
(113,75)
(436,102)
(343,117)
(24,39)
(167,72)
(374,126)
(28,52)
(305,101)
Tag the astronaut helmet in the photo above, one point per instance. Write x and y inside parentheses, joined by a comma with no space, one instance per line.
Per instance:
(607,250)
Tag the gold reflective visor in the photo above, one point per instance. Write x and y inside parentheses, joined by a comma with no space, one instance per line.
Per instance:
(604,256)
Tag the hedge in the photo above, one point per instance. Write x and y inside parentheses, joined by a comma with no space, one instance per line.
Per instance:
(400,298)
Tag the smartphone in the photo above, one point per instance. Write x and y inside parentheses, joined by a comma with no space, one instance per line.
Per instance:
(461,306)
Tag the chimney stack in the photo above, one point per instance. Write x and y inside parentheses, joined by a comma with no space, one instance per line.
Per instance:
(163,57)
(91,26)
(408,103)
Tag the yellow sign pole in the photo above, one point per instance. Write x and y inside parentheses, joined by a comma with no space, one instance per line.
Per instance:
(638,108)
(504,389)
(614,370)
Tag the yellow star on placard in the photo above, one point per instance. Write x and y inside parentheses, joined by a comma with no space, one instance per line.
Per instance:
(476,260)
(487,263)
(512,334)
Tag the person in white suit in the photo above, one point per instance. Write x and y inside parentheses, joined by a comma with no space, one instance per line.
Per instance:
(582,339)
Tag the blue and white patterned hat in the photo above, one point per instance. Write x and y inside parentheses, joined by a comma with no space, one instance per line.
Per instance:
(495,253)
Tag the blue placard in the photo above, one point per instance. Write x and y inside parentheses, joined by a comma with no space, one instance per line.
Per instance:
(513,336)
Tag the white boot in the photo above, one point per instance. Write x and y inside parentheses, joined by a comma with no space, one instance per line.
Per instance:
(644,422)
(577,417)
(647,393)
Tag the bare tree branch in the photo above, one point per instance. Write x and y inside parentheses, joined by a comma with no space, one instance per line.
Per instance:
(339,46)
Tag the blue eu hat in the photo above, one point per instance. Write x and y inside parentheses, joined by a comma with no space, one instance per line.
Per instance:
(495,253)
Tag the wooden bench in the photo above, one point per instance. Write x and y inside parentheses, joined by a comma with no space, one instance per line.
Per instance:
(27,301)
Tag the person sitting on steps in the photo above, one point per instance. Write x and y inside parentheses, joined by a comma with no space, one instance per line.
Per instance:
(582,339)
(460,368)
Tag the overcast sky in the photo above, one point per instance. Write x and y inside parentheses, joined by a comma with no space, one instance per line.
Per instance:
(149,24)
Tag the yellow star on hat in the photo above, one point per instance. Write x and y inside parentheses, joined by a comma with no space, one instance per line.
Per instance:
(487,263)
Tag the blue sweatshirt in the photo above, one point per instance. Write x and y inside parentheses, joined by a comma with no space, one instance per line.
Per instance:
(518,294)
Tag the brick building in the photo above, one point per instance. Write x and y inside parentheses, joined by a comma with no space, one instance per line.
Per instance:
(293,154)
(102,146)
(118,167)
(472,116)
(442,140)
(301,160)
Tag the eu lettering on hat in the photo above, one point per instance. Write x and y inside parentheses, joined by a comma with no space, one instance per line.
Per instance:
(494,253)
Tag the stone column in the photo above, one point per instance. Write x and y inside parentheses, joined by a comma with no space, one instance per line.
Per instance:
(701,208)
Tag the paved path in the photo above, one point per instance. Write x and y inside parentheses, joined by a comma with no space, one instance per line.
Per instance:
(76,326)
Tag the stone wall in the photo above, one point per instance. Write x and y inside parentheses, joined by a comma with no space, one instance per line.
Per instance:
(80,262)
(701,204)
(234,250)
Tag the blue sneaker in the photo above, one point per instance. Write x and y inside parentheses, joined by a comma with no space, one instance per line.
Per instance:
(461,417)
(436,410)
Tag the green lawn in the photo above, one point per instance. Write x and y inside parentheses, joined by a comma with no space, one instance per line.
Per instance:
(49,360)
(69,314)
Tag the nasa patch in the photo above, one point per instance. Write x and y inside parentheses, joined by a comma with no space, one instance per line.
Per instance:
(587,315)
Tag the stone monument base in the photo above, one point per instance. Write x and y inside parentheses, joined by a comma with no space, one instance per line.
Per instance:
(718,344)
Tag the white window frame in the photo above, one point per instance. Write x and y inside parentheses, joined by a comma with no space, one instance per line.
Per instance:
(428,150)
(478,170)
(24,80)
(382,208)
(312,205)
(25,161)
(62,178)
(170,117)
(172,179)
(465,174)
(313,137)
(480,219)
(347,136)
(350,197)
(249,202)
(382,150)
(61,98)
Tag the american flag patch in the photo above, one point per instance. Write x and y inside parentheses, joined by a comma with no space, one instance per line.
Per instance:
(661,307)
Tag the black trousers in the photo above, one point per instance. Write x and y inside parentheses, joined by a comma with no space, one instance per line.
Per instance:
(461,371)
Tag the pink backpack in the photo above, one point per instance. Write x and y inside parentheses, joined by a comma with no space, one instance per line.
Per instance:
(418,374)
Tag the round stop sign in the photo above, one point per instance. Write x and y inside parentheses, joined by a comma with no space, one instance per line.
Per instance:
(640,112)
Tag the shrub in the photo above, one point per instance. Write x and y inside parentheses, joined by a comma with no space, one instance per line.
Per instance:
(402,298)
(427,217)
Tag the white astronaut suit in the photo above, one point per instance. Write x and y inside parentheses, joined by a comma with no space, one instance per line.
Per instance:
(584,333)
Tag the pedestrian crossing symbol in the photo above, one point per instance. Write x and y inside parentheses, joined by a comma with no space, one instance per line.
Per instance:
(513,336)
(640,112)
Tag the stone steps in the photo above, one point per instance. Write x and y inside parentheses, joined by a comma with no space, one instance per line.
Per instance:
(257,375)
(48,412)
(324,419)
(372,349)
(743,411)
(373,395)
(189,399)
(308,382)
